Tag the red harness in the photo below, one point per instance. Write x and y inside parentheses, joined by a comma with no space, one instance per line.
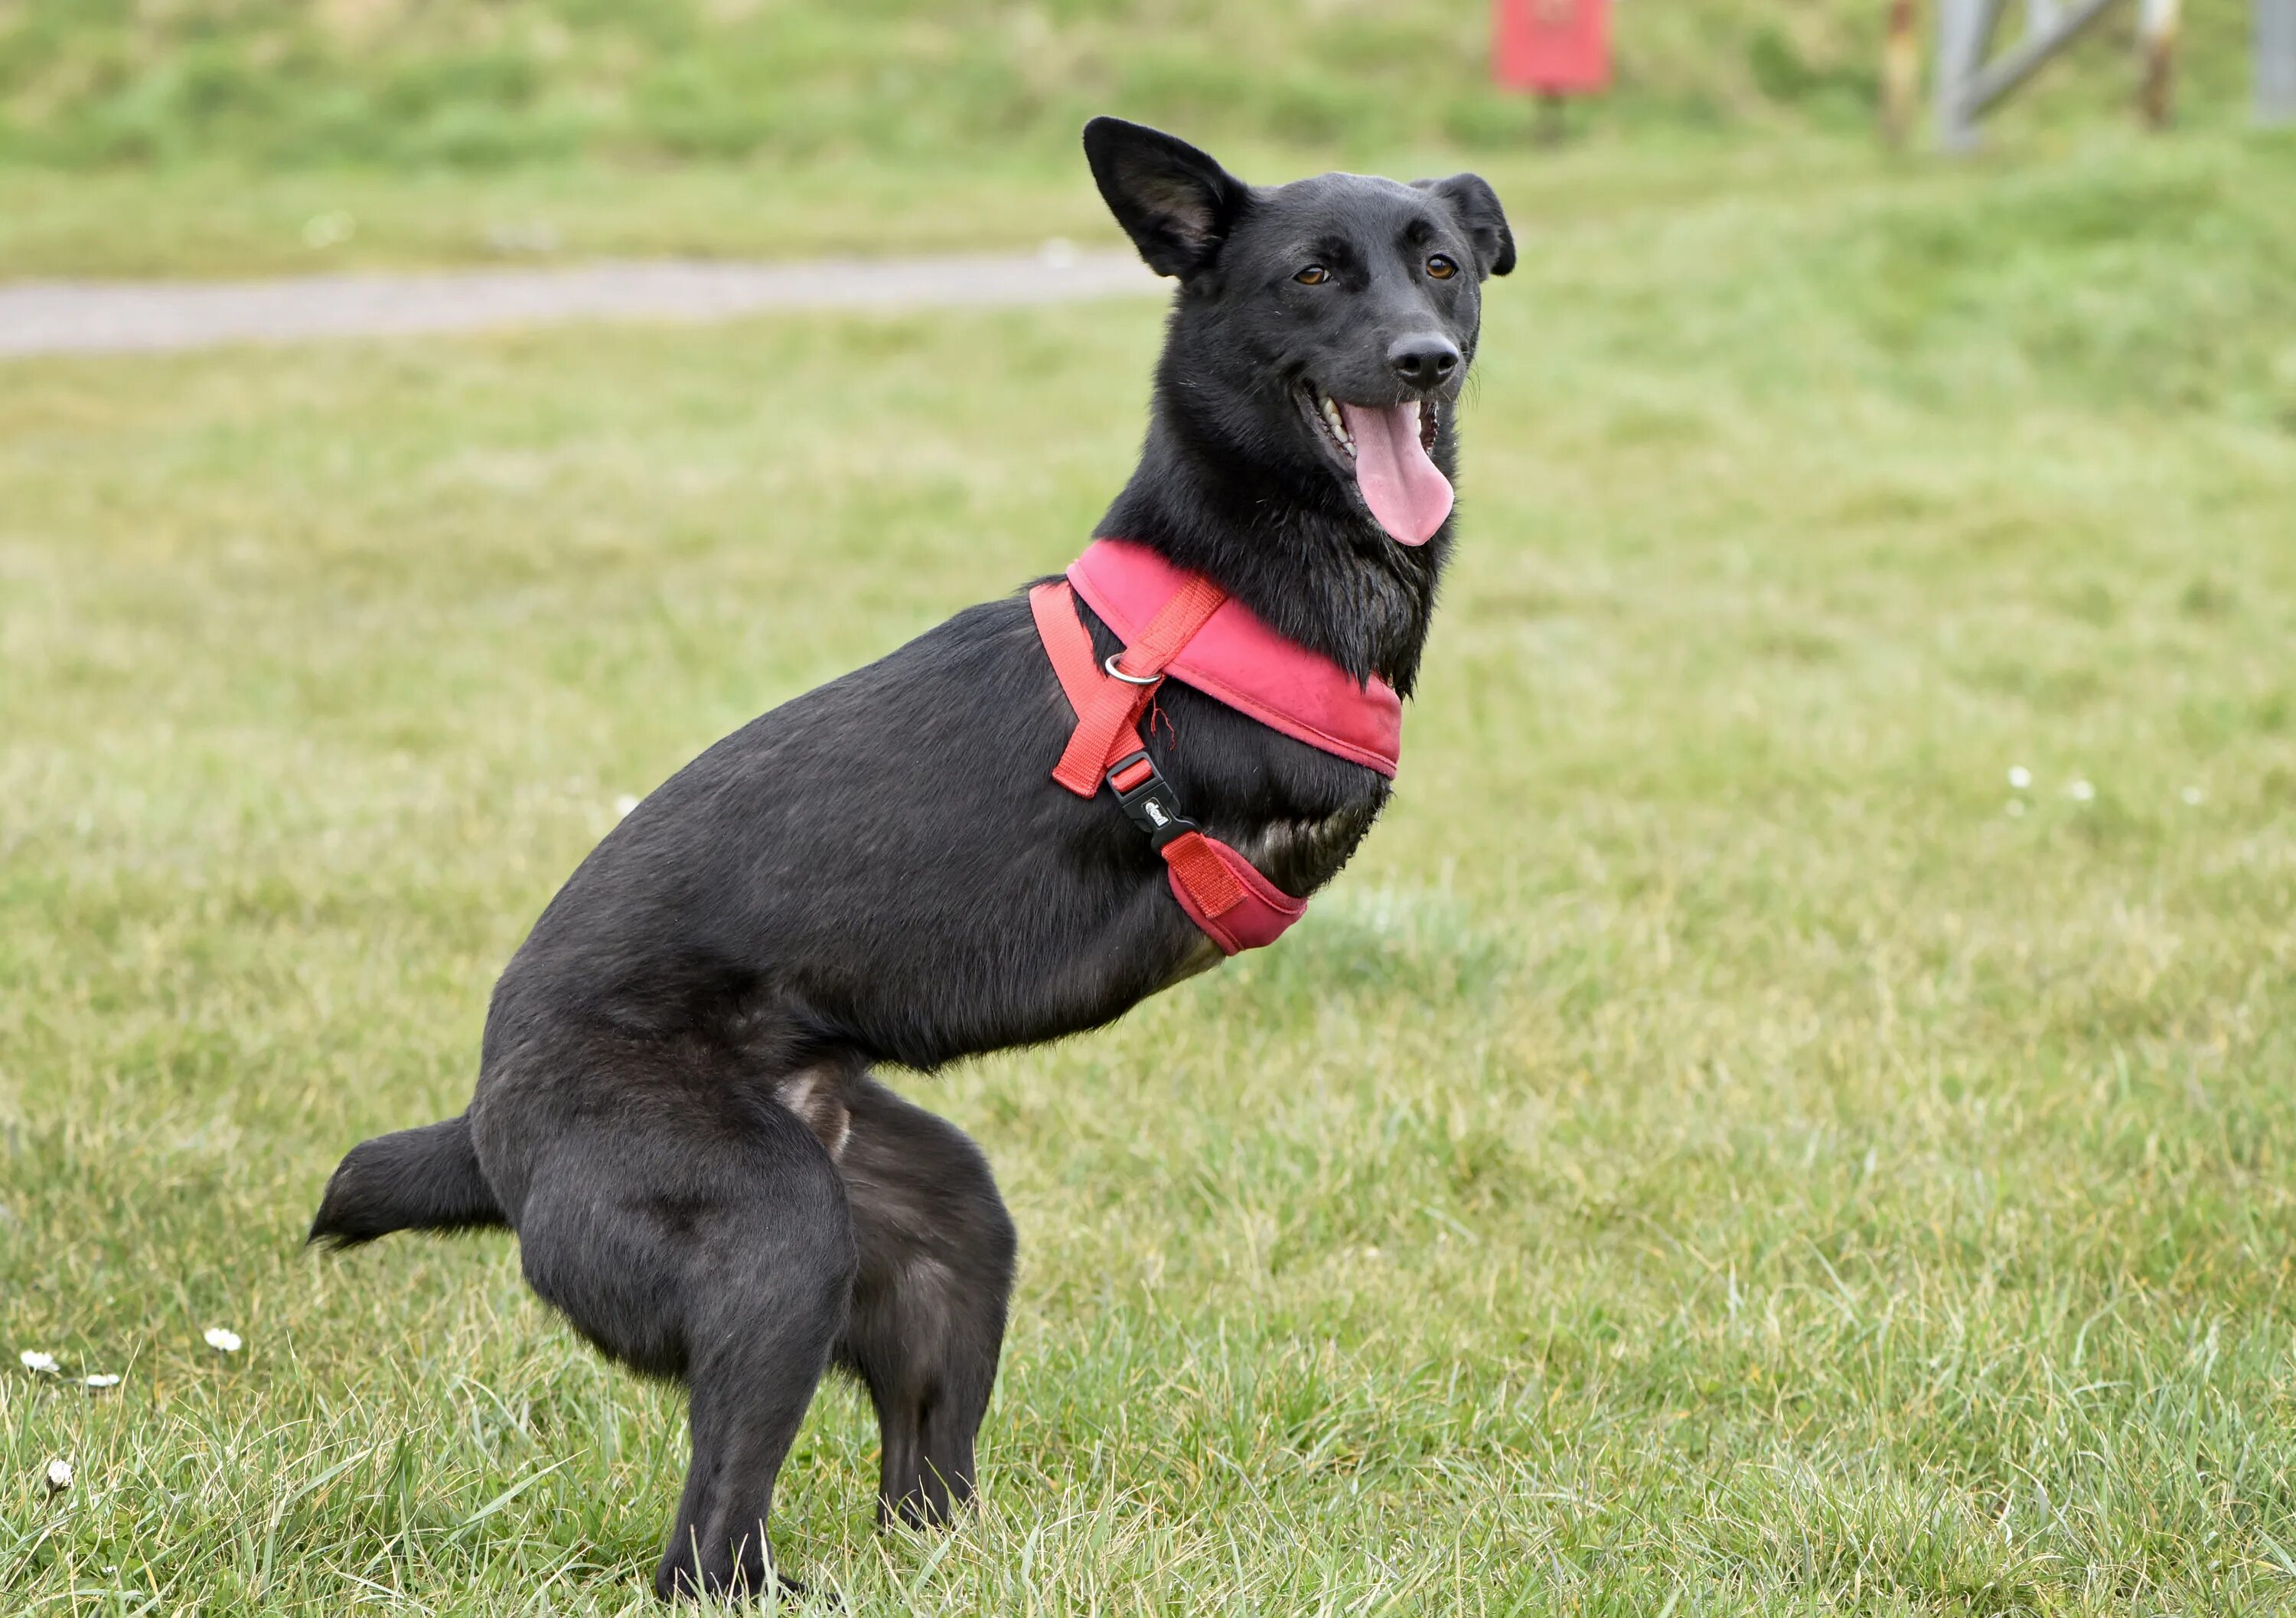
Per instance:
(1181,625)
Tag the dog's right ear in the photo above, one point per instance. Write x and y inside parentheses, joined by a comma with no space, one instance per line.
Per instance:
(1176,203)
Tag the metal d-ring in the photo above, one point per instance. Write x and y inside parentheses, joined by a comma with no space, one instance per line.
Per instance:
(1113,672)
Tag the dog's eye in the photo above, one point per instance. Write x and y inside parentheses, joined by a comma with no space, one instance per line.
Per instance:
(1315,275)
(1441,269)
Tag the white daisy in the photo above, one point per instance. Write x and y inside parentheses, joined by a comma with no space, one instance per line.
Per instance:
(2080,790)
(32,1359)
(222,1339)
(59,1475)
(2020,776)
(624,804)
(101,1379)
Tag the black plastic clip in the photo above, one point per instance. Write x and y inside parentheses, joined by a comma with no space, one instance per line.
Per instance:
(1148,798)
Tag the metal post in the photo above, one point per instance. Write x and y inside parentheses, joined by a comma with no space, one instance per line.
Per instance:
(1997,77)
(1963,26)
(2276,60)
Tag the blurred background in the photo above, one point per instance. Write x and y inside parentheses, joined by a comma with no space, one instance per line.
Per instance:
(207,133)
(1788,1112)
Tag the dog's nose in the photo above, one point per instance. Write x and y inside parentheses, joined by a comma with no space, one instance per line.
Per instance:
(1423,362)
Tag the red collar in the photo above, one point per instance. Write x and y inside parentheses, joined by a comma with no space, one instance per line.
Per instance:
(1236,659)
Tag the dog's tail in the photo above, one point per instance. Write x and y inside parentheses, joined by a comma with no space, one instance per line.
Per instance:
(417,1180)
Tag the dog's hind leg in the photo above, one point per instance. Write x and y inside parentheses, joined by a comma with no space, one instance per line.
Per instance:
(702,1233)
(928,1322)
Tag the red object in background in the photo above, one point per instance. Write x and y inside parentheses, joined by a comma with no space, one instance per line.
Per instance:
(1557,47)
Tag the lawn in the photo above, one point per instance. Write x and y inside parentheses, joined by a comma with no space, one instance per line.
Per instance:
(245,137)
(1723,1147)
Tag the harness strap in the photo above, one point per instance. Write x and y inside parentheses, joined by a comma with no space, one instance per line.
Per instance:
(1197,867)
(1210,879)
(1112,706)
(1068,644)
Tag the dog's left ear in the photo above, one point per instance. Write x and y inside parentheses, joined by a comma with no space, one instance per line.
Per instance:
(1477,208)
(1176,203)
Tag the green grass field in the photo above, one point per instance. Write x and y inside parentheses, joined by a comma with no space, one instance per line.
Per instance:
(299,84)
(210,222)
(1721,1149)
(235,137)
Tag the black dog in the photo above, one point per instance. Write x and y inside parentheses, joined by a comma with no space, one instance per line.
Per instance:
(675,1109)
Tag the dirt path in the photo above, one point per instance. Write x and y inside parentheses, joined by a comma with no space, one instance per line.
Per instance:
(141,316)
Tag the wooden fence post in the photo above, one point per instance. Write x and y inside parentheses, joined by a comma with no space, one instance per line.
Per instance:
(1901,71)
(2156,42)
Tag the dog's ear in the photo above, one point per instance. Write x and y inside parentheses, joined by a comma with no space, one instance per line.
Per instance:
(1176,203)
(1477,208)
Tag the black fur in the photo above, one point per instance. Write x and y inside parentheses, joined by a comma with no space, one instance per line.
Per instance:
(417,1180)
(675,1109)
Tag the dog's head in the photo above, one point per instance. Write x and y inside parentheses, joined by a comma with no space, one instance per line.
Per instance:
(1324,328)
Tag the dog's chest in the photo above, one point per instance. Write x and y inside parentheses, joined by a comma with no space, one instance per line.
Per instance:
(1302,853)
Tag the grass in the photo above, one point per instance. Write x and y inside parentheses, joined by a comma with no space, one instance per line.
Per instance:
(219,222)
(212,222)
(290,83)
(208,222)
(1709,1156)
(256,137)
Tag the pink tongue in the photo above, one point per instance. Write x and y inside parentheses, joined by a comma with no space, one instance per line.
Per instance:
(1404,491)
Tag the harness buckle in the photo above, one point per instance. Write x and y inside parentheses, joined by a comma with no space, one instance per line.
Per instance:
(1148,800)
